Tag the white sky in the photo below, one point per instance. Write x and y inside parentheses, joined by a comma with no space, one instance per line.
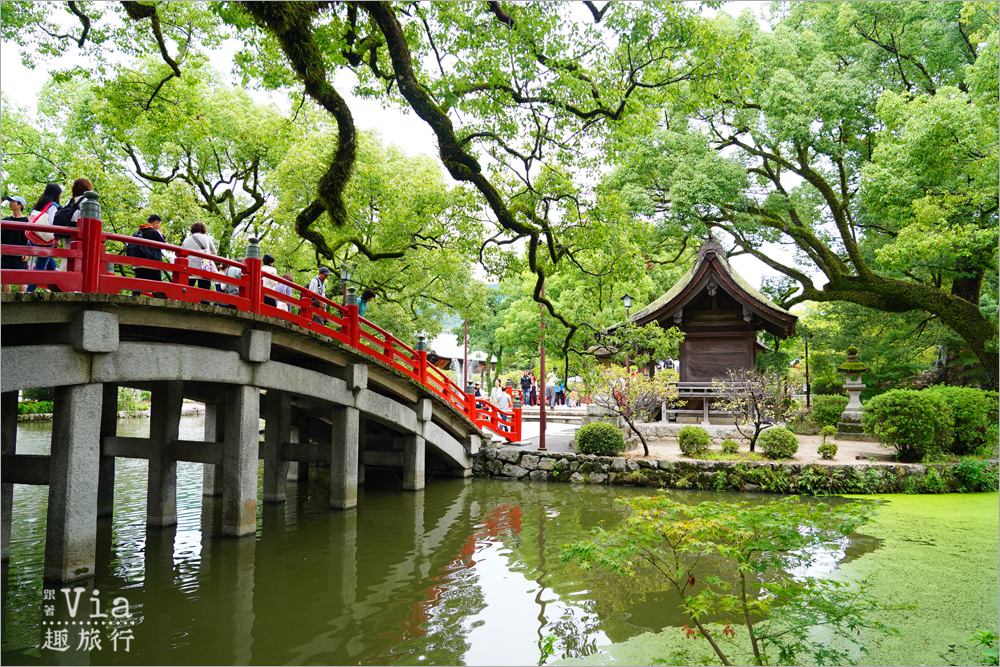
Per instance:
(407,131)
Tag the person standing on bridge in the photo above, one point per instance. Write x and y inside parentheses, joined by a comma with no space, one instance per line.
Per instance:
(44,213)
(282,288)
(14,237)
(503,403)
(495,394)
(267,266)
(202,242)
(318,285)
(151,232)
(366,296)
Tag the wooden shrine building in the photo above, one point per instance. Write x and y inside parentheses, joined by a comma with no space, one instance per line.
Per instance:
(720,315)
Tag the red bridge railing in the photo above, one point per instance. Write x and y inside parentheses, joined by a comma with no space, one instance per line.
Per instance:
(89,270)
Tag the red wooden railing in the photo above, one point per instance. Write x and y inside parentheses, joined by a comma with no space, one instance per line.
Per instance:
(89,272)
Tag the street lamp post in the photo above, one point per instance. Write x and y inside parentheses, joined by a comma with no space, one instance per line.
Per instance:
(541,386)
(345,277)
(627,300)
(805,338)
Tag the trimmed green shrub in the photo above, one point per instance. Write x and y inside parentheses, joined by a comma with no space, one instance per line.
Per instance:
(694,440)
(778,443)
(826,409)
(827,450)
(600,438)
(730,446)
(34,408)
(828,385)
(975,414)
(916,423)
(828,431)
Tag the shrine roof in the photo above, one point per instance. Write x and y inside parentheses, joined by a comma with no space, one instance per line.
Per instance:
(712,258)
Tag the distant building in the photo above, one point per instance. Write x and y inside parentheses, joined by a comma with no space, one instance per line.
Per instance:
(447,353)
(720,315)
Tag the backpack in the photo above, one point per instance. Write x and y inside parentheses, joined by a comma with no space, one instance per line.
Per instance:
(139,251)
(64,217)
(44,239)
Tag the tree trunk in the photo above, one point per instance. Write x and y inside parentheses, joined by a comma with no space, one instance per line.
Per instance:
(898,296)
(645,447)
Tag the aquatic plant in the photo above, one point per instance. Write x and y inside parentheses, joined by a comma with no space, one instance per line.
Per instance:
(730,562)
(975,475)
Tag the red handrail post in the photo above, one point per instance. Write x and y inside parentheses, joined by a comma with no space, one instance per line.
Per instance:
(355,324)
(93,247)
(306,309)
(422,359)
(516,428)
(256,288)
(179,275)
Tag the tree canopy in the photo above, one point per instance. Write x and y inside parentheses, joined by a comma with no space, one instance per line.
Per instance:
(866,141)
(603,139)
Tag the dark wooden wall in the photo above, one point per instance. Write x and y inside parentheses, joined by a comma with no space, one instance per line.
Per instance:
(716,338)
(707,356)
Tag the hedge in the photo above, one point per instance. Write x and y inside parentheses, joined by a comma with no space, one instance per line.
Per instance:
(916,423)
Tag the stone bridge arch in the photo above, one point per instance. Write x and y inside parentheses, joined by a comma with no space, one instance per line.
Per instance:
(243,367)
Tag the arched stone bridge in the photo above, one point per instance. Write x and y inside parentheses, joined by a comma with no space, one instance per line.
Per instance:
(322,401)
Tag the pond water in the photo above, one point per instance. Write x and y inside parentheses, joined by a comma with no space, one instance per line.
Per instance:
(467,572)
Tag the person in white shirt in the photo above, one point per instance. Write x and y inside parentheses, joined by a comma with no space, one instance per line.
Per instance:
(503,403)
(318,286)
(202,242)
(267,266)
(495,393)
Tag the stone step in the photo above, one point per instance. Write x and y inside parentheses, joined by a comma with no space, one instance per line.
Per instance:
(559,419)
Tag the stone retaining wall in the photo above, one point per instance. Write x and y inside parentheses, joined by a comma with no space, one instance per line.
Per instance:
(659,430)
(770,477)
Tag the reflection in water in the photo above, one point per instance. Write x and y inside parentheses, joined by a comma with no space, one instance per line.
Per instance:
(465,572)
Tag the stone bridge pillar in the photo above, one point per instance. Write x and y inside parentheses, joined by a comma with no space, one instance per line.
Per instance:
(277,431)
(240,451)
(344,457)
(414,449)
(345,443)
(298,471)
(161,484)
(8,446)
(71,530)
(215,429)
(109,429)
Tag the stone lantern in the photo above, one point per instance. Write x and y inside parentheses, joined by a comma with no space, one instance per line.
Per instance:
(849,427)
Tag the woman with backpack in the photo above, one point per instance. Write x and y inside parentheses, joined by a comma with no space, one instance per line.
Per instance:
(44,213)
(202,242)
(69,215)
